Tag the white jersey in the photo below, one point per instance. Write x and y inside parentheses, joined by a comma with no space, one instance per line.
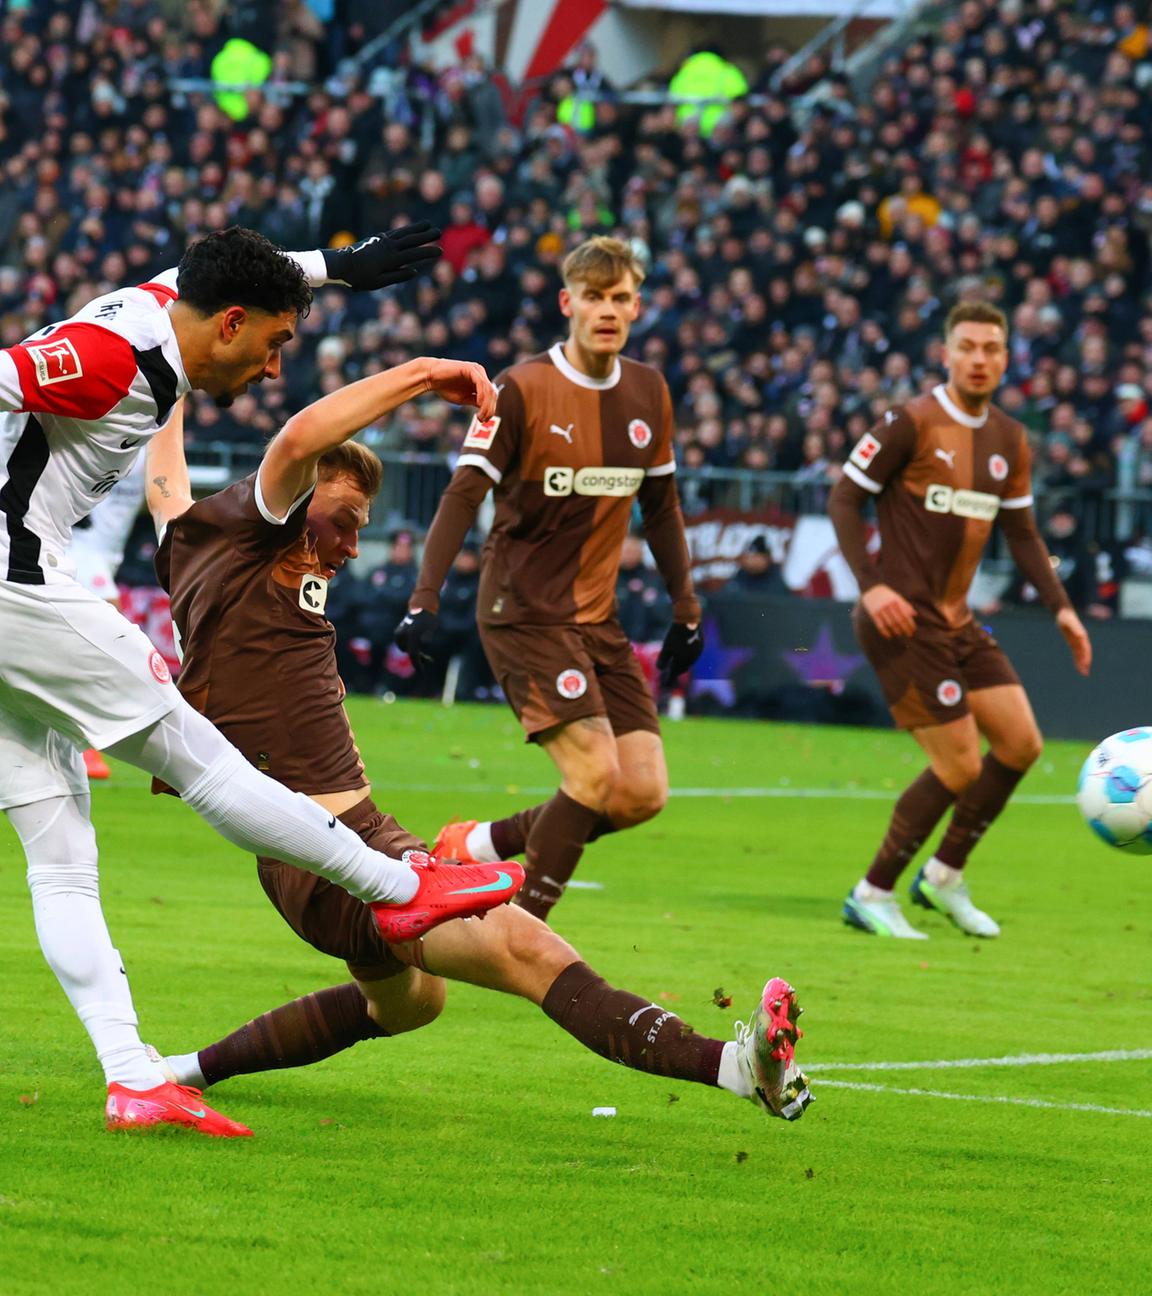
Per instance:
(78,400)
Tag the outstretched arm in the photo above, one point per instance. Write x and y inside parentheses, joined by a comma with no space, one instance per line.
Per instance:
(168,490)
(288,470)
(379,261)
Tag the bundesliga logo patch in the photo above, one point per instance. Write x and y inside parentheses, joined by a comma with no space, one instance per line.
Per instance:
(571,684)
(867,448)
(640,434)
(480,435)
(55,362)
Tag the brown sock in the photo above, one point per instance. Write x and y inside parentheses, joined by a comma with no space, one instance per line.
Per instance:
(510,836)
(978,806)
(622,1027)
(306,1030)
(554,847)
(919,809)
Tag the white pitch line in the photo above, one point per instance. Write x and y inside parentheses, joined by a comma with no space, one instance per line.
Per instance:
(1014,1060)
(999,1099)
(743,793)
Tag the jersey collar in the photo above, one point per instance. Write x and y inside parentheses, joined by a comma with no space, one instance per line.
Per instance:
(955,412)
(561,361)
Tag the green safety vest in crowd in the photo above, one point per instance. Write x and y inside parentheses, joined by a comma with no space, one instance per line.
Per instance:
(239,62)
(578,113)
(706,76)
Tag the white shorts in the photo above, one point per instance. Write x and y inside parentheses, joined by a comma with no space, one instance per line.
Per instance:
(94,570)
(72,671)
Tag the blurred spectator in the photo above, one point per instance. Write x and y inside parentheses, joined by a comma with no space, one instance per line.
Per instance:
(644,607)
(758,572)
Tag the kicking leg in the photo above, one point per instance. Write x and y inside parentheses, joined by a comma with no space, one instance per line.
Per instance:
(516,953)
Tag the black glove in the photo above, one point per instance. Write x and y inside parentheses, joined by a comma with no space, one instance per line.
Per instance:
(384,259)
(680,650)
(412,635)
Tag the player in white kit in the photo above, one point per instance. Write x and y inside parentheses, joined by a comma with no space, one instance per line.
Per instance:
(78,400)
(97,549)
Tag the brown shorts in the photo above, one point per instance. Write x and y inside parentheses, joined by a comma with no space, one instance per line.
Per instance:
(926,679)
(325,915)
(552,675)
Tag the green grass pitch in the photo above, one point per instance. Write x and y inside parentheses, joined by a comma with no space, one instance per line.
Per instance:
(465,1158)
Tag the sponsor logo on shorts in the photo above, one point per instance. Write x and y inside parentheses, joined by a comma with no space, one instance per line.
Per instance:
(867,448)
(998,467)
(948,692)
(56,362)
(571,684)
(592,481)
(159,667)
(963,503)
(481,434)
(640,434)
(313,593)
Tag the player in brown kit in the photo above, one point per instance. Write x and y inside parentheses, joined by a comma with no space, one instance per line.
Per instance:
(579,432)
(247,570)
(941,469)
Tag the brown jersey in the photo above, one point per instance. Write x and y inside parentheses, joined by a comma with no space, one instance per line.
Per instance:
(940,477)
(568,454)
(259,655)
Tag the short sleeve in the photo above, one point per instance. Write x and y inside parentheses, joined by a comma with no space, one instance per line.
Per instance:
(238,513)
(664,454)
(1018,487)
(882,451)
(493,446)
(79,371)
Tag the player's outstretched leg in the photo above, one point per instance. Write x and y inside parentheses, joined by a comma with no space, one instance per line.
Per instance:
(60,846)
(871,905)
(515,953)
(261,816)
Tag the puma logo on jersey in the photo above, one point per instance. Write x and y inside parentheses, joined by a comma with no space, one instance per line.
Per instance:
(947,455)
(565,432)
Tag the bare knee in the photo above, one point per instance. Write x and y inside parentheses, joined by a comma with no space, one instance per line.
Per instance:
(593,785)
(959,771)
(1022,752)
(419,1005)
(637,804)
(531,955)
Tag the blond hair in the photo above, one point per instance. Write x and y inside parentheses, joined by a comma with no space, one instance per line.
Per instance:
(351,459)
(600,262)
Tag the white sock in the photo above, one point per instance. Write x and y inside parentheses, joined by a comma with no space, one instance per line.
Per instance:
(186,1067)
(479,843)
(870,894)
(941,874)
(731,1075)
(60,846)
(258,814)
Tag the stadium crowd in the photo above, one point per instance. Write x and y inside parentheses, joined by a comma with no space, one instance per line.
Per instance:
(800,266)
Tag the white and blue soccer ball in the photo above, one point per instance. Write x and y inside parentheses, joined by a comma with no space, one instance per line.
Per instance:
(1115,791)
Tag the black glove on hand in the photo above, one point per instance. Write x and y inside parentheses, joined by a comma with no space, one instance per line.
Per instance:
(384,259)
(681,649)
(412,635)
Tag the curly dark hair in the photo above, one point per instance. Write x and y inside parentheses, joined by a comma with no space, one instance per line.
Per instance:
(238,267)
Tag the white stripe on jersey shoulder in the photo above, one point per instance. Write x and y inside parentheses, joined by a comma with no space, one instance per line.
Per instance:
(478,461)
(267,514)
(662,470)
(862,479)
(561,361)
(1020,501)
(166,278)
(955,412)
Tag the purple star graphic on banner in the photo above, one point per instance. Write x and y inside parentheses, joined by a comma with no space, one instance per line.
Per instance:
(713,672)
(822,666)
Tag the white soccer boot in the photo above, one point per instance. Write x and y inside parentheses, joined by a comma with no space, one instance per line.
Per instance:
(878,912)
(939,887)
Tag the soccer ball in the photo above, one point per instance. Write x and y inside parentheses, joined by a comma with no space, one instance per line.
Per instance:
(1114,792)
